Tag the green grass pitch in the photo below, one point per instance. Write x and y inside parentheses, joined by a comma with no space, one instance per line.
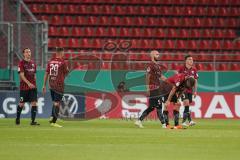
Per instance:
(119,140)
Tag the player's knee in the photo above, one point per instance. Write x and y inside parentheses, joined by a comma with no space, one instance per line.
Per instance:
(186,102)
(34,103)
(56,103)
(21,104)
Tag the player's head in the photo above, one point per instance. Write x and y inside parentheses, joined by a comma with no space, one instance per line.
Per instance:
(189,82)
(154,55)
(59,52)
(27,54)
(188,60)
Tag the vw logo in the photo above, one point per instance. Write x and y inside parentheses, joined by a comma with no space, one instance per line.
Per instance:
(69,105)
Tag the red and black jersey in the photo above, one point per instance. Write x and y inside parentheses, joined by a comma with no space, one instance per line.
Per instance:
(57,70)
(29,70)
(177,80)
(191,72)
(154,70)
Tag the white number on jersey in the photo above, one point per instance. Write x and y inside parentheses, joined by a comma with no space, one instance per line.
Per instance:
(54,69)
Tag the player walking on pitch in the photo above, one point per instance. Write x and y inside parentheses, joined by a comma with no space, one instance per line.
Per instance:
(28,90)
(56,72)
(153,77)
(190,71)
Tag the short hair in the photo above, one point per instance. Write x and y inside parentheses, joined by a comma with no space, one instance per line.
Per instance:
(187,56)
(25,49)
(59,49)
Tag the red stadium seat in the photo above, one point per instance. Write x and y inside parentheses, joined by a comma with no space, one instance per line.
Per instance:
(47,9)
(103,20)
(91,20)
(215,45)
(147,32)
(207,22)
(217,33)
(236,45)
(231,22)
(73,43)
(100,32)
(97,44)
(234,67)
(71,9)
(136,32)
(204,45)
(77,32)
(158,44)
(160,33)
(206,33)
(61,42)
(227,45)
(68,20)
(172,33)
(35,8)
(105,10)
(79,20)
(219,22)
(229,33)
(169,44)
(59,9)
(52,42)
(53,31)
(112,32)
(124,32)
(181,44)
(183,33)
(82,9)
(222,67)
(106,65)
(199,66)
(194,33)
(64,31)
(192,45)
(209,67)
(56,20)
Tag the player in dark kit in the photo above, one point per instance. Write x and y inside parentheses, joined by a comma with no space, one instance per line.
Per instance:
(153,77)
(56,72)
(28,90)
(179,84)
(188,70)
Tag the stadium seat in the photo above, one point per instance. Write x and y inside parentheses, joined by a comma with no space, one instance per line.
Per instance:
(64,31)
(206,33)
(204,45)
(215,45)
(194,33)
(55,20)
(73,43)
(169,44)
(158,44)
(79,20)
(192,45)
(183,33)
(172,33)
(181,44)
(199,66)
(219,22)
(71,9)
(227,45)
(53,31)
(229,33)
(52,42)
(61,42)
(160,33)
(236,45)
(209,67)
(103,20)
(47,9)
(136,32)
(218,33)
(222,67)
(112,32)
(234,67)
(106,10)
(124,32)
(147,32)
(100,32)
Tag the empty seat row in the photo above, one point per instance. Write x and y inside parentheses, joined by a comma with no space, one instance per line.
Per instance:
(143,2)
(141,21)
(149,44)
(140,32)
(134,10)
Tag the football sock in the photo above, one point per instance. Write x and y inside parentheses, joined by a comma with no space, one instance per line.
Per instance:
(176,117)
(145,113)
(185,113)
(160,114)
(33,113)
(165,114)
(55,115)
(19,110)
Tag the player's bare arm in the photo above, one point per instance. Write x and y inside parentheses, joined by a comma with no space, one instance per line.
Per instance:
(147,83)
(163,78)
(195,88)
(45,79)
(172,92)
(22,77)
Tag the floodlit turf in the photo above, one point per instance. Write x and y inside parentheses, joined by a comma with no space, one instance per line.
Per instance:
(119,140)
